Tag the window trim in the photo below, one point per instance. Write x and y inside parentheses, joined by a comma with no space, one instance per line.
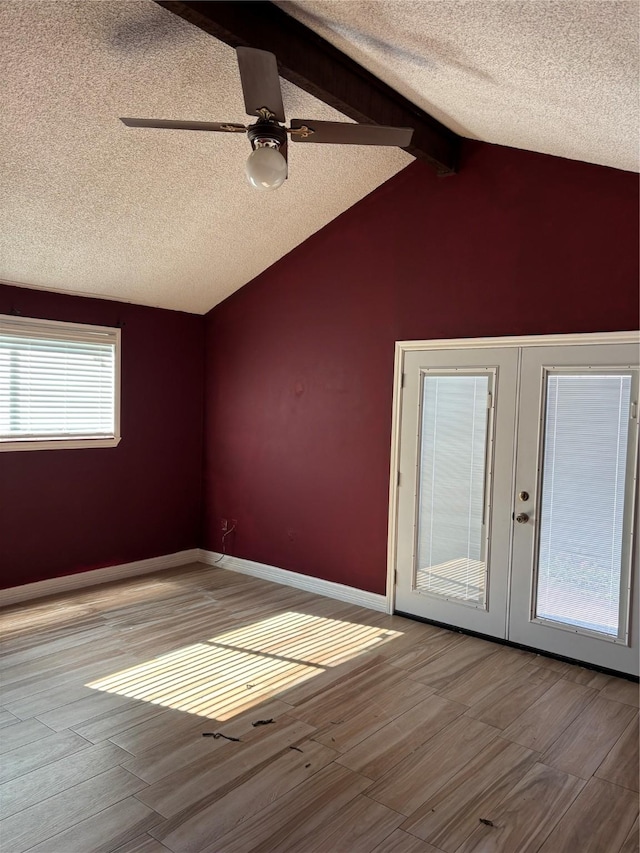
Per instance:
(61,330)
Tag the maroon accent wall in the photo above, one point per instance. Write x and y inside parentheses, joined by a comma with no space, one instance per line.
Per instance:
(67,511)
(300,361)
(299,370)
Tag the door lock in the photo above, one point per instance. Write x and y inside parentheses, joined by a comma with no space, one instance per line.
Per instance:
(522,518)
(523,496)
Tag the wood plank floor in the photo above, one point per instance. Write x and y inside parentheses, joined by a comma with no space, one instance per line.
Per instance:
(347,731)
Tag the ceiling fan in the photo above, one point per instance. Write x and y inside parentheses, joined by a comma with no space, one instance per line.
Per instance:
(266,167)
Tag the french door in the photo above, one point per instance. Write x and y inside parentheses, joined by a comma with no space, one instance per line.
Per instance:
(515,498)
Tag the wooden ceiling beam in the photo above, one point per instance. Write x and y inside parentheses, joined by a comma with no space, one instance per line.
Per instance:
(313,64)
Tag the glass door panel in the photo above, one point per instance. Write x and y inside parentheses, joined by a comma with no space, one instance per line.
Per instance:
(452,540)
(584,471)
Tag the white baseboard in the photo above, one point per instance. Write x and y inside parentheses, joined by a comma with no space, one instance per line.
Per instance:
(15,594)
(349,594)
(321,587)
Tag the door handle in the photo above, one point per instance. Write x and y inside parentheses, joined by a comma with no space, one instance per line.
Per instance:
(522,518)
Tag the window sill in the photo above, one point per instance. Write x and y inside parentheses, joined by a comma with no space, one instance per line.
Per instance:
(58,444)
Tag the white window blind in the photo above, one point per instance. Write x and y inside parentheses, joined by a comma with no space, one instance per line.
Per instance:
(451,532)
(59,384)
(585,467)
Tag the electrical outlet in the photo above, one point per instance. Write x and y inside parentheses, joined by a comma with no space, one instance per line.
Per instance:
(224,525)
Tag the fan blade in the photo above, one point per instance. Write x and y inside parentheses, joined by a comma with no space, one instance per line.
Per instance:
(260,82)
(223,127)
(343,133)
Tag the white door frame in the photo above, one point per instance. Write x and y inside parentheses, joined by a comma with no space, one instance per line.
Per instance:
(404,347)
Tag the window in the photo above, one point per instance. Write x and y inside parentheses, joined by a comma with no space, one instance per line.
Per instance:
(59,385)
(584,479)
(452,486)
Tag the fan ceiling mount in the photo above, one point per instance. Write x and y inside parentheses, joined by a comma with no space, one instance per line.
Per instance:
(267,164)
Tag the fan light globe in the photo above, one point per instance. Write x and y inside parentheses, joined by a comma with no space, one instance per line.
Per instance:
(266,168)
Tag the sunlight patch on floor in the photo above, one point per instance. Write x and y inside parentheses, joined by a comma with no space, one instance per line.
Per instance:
(234,671)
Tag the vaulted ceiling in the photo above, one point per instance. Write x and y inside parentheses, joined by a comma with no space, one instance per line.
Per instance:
(166,218)
(555,76)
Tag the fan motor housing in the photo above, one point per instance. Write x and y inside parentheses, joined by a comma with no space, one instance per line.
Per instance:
(266,133)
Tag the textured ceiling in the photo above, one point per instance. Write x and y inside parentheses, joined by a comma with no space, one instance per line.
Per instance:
(555,76)
(165,217)
(155,217)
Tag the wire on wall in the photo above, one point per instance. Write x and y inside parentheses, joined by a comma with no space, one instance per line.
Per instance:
(224,542)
